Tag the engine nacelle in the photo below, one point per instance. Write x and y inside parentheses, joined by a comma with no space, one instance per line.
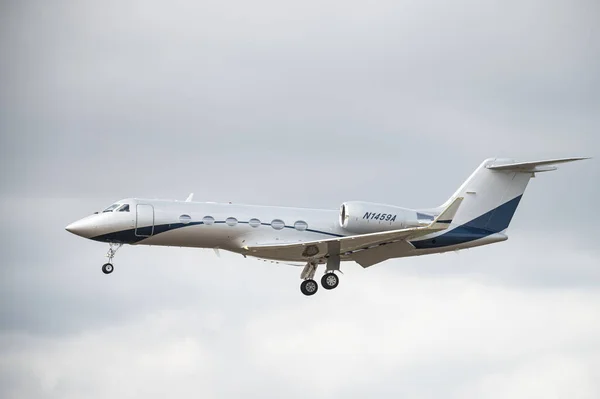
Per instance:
(366,217)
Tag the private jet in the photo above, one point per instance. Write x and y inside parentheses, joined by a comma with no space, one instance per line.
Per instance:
(478,213)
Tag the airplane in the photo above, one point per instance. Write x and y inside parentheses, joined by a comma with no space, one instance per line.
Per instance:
(478,213)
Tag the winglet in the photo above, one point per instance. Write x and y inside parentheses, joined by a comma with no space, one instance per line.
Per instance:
(445,218)
(189,198)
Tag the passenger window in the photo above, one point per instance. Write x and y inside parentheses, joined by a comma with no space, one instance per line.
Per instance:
(277,224)
(124,208)
(231,221)
(208,220)
(254,222)
(301,225)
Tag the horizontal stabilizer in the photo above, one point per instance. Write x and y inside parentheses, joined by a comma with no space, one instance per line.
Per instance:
(533,166)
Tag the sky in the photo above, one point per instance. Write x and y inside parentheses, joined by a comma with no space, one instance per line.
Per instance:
(300,103)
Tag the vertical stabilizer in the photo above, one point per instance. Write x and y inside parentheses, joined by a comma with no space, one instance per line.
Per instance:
(490,197)
(493,192)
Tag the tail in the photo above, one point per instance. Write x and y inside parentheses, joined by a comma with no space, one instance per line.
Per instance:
(493,192)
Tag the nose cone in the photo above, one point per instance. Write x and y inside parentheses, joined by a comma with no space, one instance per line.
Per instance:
(83,228)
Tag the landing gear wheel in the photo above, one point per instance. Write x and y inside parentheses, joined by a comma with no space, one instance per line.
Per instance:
(107,268)
(309,287)
(329,281)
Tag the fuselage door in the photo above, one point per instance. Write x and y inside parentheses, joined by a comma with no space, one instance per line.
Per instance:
(144,222)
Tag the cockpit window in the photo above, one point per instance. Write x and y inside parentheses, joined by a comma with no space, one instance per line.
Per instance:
(111,208)
(124,208)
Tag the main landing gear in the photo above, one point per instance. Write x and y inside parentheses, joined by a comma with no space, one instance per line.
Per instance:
(108,268)
(309,287)
(329,281)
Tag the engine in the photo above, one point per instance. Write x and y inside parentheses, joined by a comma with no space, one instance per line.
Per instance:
(365,217)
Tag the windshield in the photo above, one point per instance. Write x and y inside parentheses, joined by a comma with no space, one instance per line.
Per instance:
(124,208)
(111,208)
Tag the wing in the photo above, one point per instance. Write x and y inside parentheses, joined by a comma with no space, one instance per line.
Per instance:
(311,250)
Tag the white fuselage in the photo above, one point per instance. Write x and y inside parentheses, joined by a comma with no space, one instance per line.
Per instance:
(229,227)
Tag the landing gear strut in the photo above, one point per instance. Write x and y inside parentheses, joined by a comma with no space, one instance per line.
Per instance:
(108,268)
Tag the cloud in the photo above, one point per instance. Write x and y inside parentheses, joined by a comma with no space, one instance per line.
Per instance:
(550,376)
(302,104)
(485,336)
(215,81)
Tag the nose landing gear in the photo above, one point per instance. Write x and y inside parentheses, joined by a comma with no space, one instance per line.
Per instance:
(108,268)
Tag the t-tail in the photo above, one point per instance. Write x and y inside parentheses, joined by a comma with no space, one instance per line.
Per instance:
(491,196)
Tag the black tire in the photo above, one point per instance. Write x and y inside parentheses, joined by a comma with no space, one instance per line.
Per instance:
(329,281)
(107,268)
(309,287)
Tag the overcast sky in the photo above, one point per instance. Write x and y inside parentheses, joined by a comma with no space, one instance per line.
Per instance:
(307,103)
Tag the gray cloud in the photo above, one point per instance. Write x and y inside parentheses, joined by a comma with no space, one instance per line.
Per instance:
(302,104)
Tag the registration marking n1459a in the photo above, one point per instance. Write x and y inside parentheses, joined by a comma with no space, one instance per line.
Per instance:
(386,217)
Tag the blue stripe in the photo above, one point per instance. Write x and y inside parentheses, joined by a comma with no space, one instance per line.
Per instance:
(485,225)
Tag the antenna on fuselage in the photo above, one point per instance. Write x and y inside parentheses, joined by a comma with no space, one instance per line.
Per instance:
(189,198)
